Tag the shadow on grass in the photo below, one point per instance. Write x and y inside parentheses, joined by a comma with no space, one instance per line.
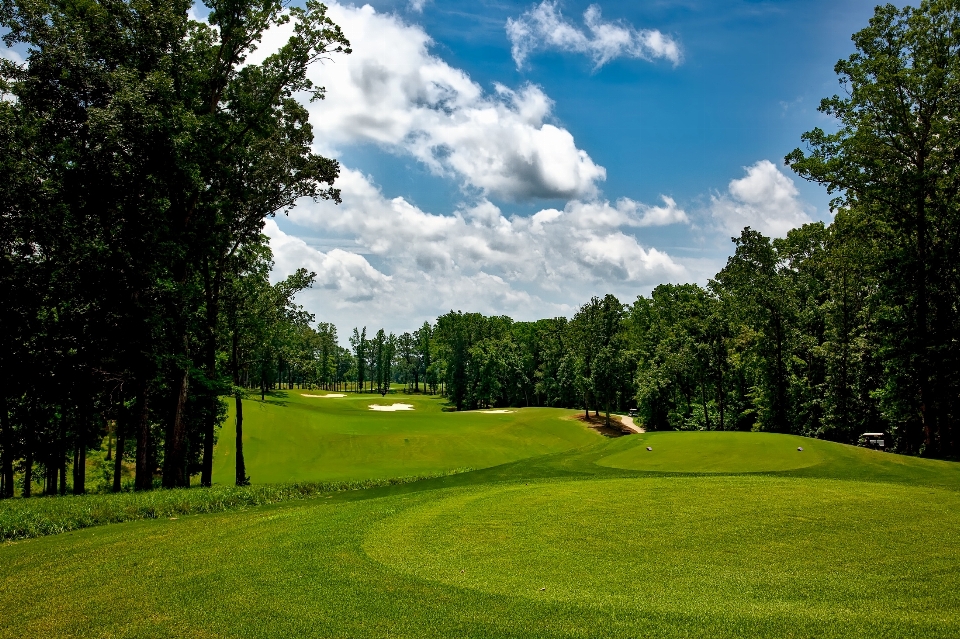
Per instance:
(274,397)
(599,424)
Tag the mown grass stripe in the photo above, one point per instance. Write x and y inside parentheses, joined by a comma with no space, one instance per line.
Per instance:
(27,518)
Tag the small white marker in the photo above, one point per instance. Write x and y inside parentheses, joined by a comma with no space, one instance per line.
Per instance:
(800,448)
(648,448)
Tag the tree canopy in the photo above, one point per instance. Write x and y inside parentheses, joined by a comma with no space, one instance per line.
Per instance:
(141,155)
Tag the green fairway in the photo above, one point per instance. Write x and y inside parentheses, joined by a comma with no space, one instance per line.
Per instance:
(707,535)
(794,551)
(294,437)
(719,452)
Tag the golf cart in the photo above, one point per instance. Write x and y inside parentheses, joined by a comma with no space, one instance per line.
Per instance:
(877,441)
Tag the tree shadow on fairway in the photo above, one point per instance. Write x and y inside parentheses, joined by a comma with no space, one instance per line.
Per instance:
(275,397)
(599,424)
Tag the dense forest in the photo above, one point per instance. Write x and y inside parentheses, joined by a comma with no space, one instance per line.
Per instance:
(140,155)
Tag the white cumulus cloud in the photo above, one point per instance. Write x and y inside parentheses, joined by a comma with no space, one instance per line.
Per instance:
(765,200)
(346,274)
(544,27)
(417,5)
(391,91)
(472,258)
(550,248)
(12,55)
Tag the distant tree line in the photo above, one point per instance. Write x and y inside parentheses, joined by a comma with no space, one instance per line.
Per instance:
(792,336)
(806,334)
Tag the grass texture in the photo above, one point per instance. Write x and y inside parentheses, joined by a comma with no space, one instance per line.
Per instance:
(294,437)
(706,535)
(26,518)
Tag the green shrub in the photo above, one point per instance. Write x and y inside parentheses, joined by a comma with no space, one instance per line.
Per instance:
(36,517)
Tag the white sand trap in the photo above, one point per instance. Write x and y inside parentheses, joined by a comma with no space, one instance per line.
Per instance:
(328,395)
(499,411)
(391,407)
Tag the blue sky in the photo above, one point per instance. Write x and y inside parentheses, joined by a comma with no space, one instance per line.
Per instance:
(517,158)
(751,78)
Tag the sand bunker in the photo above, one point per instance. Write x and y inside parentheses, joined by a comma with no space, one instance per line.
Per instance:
(328,395)
(392,407)
(499,411)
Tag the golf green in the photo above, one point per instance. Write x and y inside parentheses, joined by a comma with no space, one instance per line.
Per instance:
(719,452)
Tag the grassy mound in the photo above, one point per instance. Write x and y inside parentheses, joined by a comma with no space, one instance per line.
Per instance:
(739,453)
(292,437)
(719,452)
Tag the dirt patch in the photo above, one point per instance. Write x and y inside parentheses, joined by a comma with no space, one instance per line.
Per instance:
(599,424)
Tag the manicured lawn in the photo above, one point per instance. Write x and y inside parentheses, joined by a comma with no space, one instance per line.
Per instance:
(718,452)
(787,554)
(293,437)
(586,541)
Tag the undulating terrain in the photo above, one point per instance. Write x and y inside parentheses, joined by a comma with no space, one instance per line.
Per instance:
(558,531)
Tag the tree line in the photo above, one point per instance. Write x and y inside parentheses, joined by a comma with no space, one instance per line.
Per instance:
(804,334)
(140,154)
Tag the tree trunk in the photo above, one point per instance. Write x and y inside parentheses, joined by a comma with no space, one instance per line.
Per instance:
(80,449)
(241,470)
(80,467)
(144,477)
(118,457)
(241,477)
(923,374)
(721,403)
(28,472)
(174,454)
(210,425)
(6,451)
(206,472)
(50,478)
(703,401)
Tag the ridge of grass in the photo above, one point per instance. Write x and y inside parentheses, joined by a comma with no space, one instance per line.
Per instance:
(28,518)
